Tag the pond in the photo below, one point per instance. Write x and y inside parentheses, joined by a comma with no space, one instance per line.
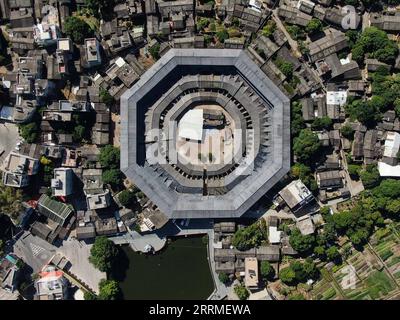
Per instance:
(180,271)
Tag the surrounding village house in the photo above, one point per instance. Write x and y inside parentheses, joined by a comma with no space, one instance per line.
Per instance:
(251,273)
(54,210)
(62,183)
(9,272)
(52,285)
(298,198)
(18,169)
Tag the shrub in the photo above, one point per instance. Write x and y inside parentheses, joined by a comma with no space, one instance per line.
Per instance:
(77,29)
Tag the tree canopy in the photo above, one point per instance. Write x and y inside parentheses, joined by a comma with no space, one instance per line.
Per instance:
(249,237)
(321,123)
(314,26)
(303,172)
(108,290)
(103,254)
(77,29)
(241,292)
(364,111)
(287,275)
(266,270)
(376,44)
(286,67)
(301,243)
(103,7)
(29,132)
(358,223)
(223,277)
(222,35)
(106,97)
(10,201)
(297,120)
(347,132)
(109,157)
(306,145)
(155,51)
(269,28)
(127,198)
(299,272)
(370,176)
(112,177)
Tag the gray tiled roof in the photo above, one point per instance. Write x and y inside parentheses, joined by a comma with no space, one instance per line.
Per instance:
(156,183)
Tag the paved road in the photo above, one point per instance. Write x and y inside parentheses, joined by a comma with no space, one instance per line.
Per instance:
(220,291)
(78,252)
(5,295)
(355,187)
(8,139)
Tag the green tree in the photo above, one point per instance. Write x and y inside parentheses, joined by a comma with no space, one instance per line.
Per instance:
(202,23)
(393,207)
(79,133)
(354,170)
(108,290)
(269,29)
(287,275)
(223,277)
(266,270)
(320,252)
(296,32)
(358,223)
(286,67)
(296,296)
(106,97)
(306,145)
(103,254)
(364,111)
(103,7)
(321,123)
(301,243)
(314,26)
(332,253)
(297,121)
(29,132)
(376,44)
(370,176)
(347,132)
(89,296)
(241,292)
(248,237)
(310,269)
(109,157)
(352,37)
(303,172)
(127,198)
(77,29)
(1,247)
(155,51)
(10,201)
(397,106)
(222,35)
(112,177)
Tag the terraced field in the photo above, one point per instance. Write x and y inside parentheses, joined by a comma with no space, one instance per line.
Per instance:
(368,275)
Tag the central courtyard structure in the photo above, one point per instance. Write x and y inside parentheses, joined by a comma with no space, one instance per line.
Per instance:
(205,134)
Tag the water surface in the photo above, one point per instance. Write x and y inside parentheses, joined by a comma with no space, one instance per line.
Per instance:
(180,271)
